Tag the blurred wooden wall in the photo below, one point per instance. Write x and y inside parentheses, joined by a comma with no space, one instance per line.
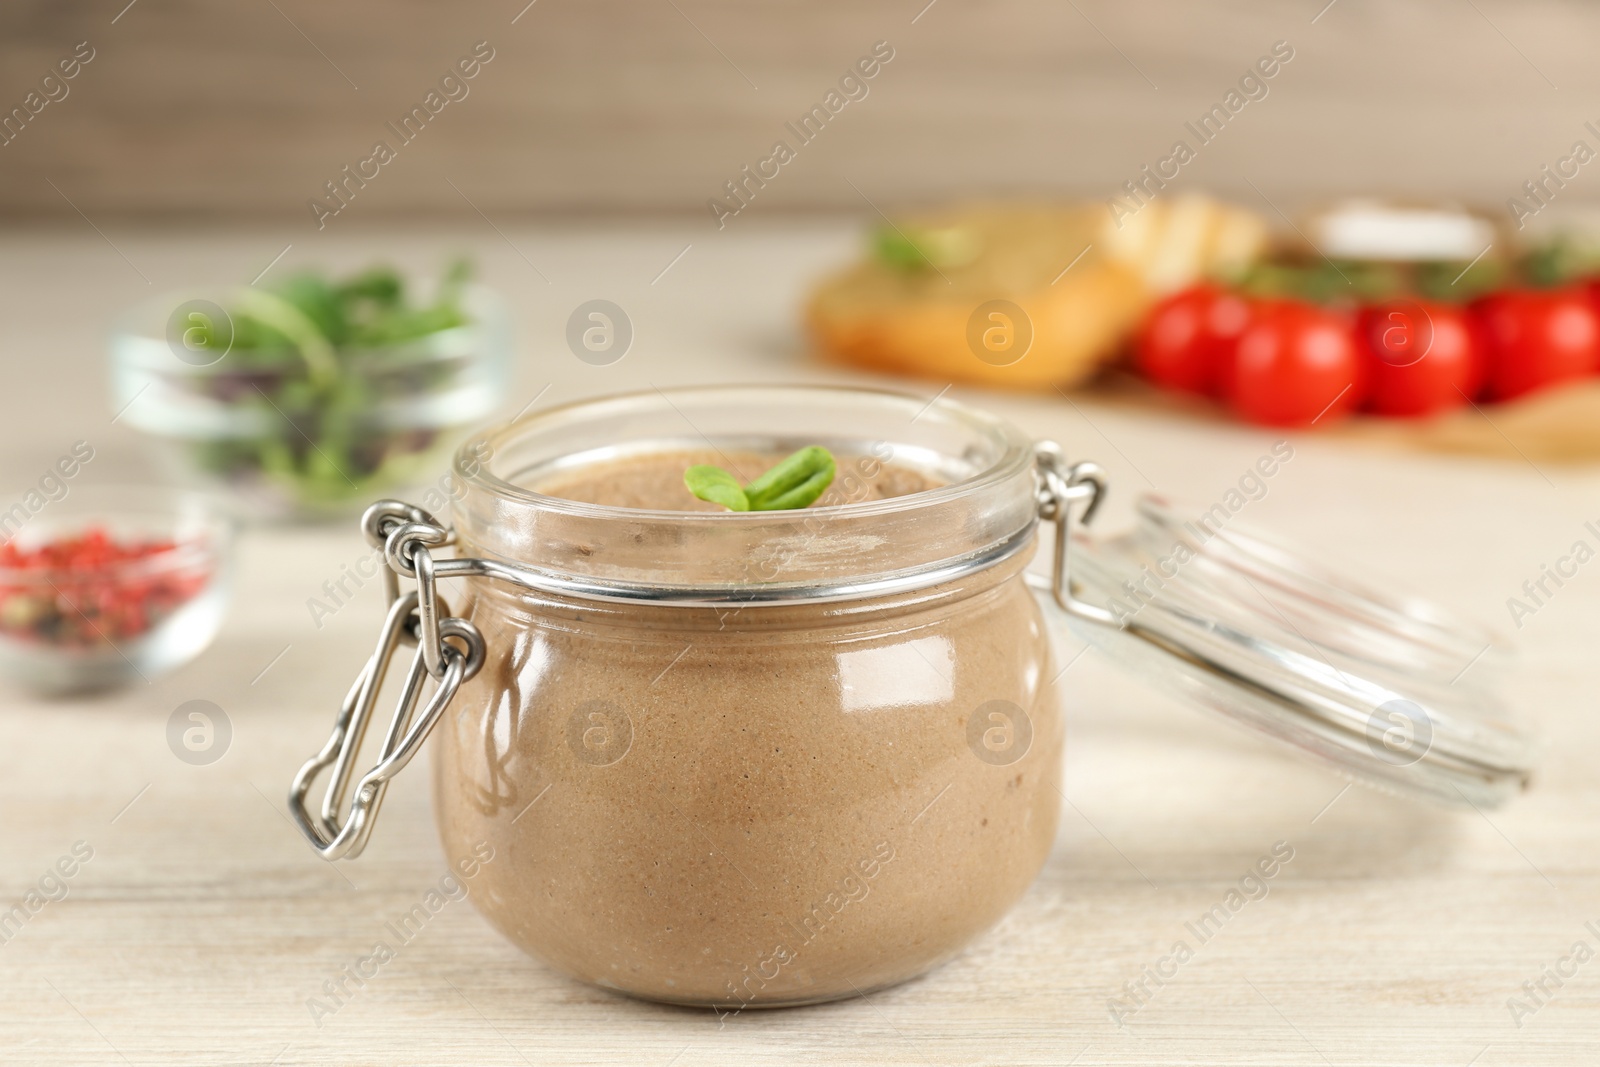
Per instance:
(194,111)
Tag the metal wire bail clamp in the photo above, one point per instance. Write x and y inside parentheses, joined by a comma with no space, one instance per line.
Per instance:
(1060,488)
(449,649)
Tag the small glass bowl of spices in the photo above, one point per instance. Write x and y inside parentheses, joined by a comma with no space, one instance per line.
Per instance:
(108,585)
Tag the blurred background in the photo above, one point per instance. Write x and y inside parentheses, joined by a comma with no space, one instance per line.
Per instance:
(193,112)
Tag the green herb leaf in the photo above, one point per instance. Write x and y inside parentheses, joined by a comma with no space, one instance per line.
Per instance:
(793,483)
(290,321)
(1560,261)
(382,285)
(315,298)
(716,485)
(1460,281)
(913,248)
(400,325)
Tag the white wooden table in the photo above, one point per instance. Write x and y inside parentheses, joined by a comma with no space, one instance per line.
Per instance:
(201,925)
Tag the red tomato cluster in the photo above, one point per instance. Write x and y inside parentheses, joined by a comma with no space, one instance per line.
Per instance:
(1286,362)
(90,589)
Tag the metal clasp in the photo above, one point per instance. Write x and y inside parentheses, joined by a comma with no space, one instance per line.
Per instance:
(449,649)
(1061,487)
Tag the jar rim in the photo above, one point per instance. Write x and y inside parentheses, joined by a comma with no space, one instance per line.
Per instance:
(986,504)
(1017,454)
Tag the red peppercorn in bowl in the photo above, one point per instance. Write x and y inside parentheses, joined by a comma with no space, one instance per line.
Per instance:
(108,585)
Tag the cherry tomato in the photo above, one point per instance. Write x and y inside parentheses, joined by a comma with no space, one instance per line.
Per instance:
(1538,338)
(1422,356)
(1189,336)
(1295,364)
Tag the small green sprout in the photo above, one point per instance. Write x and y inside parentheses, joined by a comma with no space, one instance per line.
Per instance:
(911,249)
(794,483)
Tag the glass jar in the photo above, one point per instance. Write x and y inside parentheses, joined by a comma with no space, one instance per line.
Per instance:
(773,758)
(779,803)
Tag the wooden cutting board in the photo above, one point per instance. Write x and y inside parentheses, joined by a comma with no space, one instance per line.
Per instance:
(1558,426)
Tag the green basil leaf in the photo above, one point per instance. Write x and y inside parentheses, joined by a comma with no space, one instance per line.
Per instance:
(716,485)
(914,248)
(793,483)
(800,496)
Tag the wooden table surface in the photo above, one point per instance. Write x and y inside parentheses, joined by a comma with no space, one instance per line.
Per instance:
(201,925)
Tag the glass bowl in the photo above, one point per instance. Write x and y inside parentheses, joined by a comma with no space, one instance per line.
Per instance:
(281,435)
(108,585)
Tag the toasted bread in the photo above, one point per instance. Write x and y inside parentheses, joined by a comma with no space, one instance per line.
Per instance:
(1079,282)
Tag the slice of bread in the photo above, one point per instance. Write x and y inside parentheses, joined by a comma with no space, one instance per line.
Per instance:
(1080,283)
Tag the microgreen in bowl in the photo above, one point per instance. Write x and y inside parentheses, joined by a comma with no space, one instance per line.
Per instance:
(321,391)
(795,482)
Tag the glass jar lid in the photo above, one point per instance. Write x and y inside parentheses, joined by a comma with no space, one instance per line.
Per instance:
(1387,687)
